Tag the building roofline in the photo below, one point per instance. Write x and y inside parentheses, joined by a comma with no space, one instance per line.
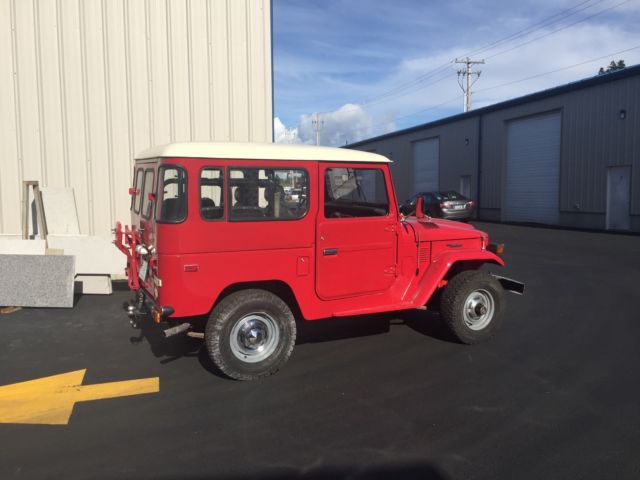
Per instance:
(531,97)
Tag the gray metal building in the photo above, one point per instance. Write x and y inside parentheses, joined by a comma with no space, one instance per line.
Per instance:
(566,156)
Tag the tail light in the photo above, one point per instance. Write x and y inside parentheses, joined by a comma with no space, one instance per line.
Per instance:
(445,205)
(470,203)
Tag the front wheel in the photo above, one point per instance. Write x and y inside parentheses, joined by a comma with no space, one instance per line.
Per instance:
(250,334)
(472,306)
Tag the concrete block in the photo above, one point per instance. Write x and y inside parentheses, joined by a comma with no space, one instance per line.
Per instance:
(60,211)
(37,280)
(17,246)
(94,254)
(93,284)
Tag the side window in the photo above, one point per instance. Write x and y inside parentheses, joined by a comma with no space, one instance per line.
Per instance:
(147,188)
(137,186)
(268,194)
(211,199)
(172,194)
(355,192)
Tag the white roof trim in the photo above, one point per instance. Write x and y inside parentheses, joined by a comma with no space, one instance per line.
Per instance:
(260,151)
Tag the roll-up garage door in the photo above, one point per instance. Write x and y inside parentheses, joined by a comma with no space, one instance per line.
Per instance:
(533,170)
(425,165)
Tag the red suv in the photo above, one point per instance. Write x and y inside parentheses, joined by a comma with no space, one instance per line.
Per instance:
(258,236)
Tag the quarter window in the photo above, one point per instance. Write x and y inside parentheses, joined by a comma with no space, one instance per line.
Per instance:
(211,198)
(355,192)
(147,188)
(172,194)
(268,194)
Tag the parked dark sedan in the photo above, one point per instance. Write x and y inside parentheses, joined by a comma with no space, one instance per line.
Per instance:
(449,205)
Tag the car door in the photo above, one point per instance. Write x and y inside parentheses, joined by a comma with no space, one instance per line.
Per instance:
(356,233)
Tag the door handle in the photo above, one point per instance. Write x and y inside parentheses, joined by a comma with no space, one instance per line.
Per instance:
(329,251)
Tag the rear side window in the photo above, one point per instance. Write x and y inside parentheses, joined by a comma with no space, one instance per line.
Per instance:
(211,198)
(355,192)
(172,194)
(147,188)
(268,194)
(137,187)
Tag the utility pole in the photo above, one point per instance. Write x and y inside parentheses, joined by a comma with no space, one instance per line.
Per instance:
(290,135)
(317,126)
(466,74)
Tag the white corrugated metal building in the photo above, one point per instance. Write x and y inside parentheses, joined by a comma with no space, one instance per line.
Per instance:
(85,84)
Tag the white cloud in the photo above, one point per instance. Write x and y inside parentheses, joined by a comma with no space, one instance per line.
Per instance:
(282,134)
(360,83)
(348,124)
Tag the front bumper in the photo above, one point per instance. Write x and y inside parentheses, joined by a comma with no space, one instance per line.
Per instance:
(510,285)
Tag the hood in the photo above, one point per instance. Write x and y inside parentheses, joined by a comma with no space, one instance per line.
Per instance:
(435,229)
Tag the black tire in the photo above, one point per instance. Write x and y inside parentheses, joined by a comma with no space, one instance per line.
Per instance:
(250,334)
(472,306)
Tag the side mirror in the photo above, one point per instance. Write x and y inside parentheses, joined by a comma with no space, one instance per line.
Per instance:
(420,207)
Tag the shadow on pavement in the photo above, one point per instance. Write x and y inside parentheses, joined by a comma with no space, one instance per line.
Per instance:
(418,470)
(427,323)
(314,331)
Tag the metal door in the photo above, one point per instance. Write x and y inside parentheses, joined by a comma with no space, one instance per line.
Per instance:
(465,185)
(618,198)
(426,159)
(532,183)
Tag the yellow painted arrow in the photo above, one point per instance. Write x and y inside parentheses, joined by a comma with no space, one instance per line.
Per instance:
(50,400)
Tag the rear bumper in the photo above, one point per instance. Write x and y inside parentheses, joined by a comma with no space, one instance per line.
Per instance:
(457,215)
(146,303)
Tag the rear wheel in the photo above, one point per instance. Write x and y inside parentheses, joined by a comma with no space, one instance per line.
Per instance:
(250,334)
(472,306)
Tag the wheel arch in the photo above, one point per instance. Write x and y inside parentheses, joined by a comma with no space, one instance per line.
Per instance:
(277,287)
(448,266)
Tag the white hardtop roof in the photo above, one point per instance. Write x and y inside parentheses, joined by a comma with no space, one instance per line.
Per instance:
(260,151)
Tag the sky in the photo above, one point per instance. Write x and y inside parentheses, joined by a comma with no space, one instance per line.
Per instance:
(369,67)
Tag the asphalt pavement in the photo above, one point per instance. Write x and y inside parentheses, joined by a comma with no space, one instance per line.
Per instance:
(556,394)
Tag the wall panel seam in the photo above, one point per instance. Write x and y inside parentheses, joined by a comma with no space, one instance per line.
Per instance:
(63,97)
(190,71)
(209,67)
(127,53)
(108,112)
(172,121)
(229,72)
(249,48)
(147,46)
(41,112)
(87,120)
(16,90)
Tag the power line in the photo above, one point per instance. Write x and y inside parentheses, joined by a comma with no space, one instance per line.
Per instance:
(418,83)
(559,29)
(609,55)
(564,14)
(509,38)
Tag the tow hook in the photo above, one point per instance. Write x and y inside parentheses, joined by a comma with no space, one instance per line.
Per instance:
(135,309)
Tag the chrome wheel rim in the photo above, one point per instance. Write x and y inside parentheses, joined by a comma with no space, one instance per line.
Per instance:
(479,308)
(254,337)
